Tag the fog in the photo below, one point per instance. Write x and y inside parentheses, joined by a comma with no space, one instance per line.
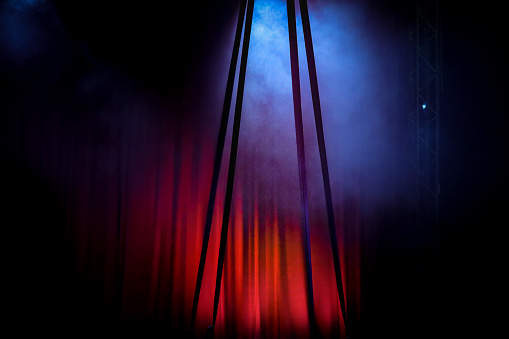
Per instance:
(363,107)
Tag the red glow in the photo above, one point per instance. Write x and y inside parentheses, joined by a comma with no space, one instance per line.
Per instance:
(153,245)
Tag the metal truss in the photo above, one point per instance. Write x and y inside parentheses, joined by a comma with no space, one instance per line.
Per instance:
(425,76)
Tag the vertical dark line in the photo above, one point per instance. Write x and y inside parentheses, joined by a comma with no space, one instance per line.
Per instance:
(247,214)
(163,237)
(118,294)
(124,212)
(159,141)
(299,132)
(69,184)
(121,214)
(282,267)
(323,155)
(262,257)
(176,186)
(232,286)
(178,300)
(218,157)
(70,260)
(92,208)
(233,154)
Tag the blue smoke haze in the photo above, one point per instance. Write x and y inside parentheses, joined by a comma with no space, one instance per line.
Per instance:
(357,84)
(358,91)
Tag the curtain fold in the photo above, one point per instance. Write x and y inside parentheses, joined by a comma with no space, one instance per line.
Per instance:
(131,196)
(107,184)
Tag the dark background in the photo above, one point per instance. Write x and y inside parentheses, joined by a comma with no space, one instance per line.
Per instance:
(161,46)
(473,166)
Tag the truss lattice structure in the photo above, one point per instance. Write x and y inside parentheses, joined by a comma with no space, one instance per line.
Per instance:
(425,77)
